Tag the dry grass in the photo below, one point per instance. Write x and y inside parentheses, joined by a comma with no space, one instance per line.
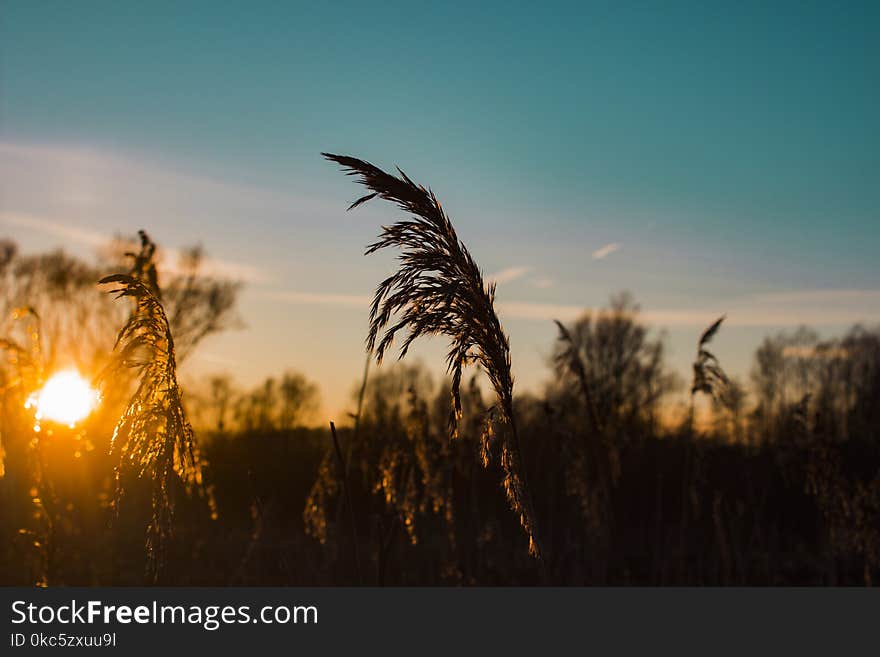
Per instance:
(438,289)
(26,358)
(27,362)
(709,377)
(153,435)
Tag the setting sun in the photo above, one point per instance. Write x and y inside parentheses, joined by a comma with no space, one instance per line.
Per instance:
(66,398)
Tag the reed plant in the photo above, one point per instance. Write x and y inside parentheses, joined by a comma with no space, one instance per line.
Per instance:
(26,373)
(153,436)
(438,289)
(709,377)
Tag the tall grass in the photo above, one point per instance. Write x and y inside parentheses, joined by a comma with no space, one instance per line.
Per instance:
(709,377)
(153,436)
(438,289)
(27,360)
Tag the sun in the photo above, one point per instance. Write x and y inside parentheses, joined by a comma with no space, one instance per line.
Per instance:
(66,398)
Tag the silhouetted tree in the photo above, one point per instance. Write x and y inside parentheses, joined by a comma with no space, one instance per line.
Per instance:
(622,368)
(221,398)
(299,398)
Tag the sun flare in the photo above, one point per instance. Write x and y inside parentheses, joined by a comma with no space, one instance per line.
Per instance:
(66,398)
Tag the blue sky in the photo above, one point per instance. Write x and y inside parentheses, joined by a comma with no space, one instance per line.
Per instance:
(730,152)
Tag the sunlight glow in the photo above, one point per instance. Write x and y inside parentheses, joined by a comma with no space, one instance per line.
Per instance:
(66,398)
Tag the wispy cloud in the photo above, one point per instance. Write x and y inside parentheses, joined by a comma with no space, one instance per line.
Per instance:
(214,359)
(82,195)
(542,283)
(756,311)
(820,297)
(607,250)
(361,301)
(804,307)
(100,177)
(81,236)
(509,274)
(570,312)
(226,269)
(170,258)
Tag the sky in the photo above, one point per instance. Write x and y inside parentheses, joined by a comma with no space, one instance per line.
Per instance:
(706,157)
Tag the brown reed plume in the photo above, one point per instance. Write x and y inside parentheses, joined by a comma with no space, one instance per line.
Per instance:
(439,290)
(709,378)
(153,436)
